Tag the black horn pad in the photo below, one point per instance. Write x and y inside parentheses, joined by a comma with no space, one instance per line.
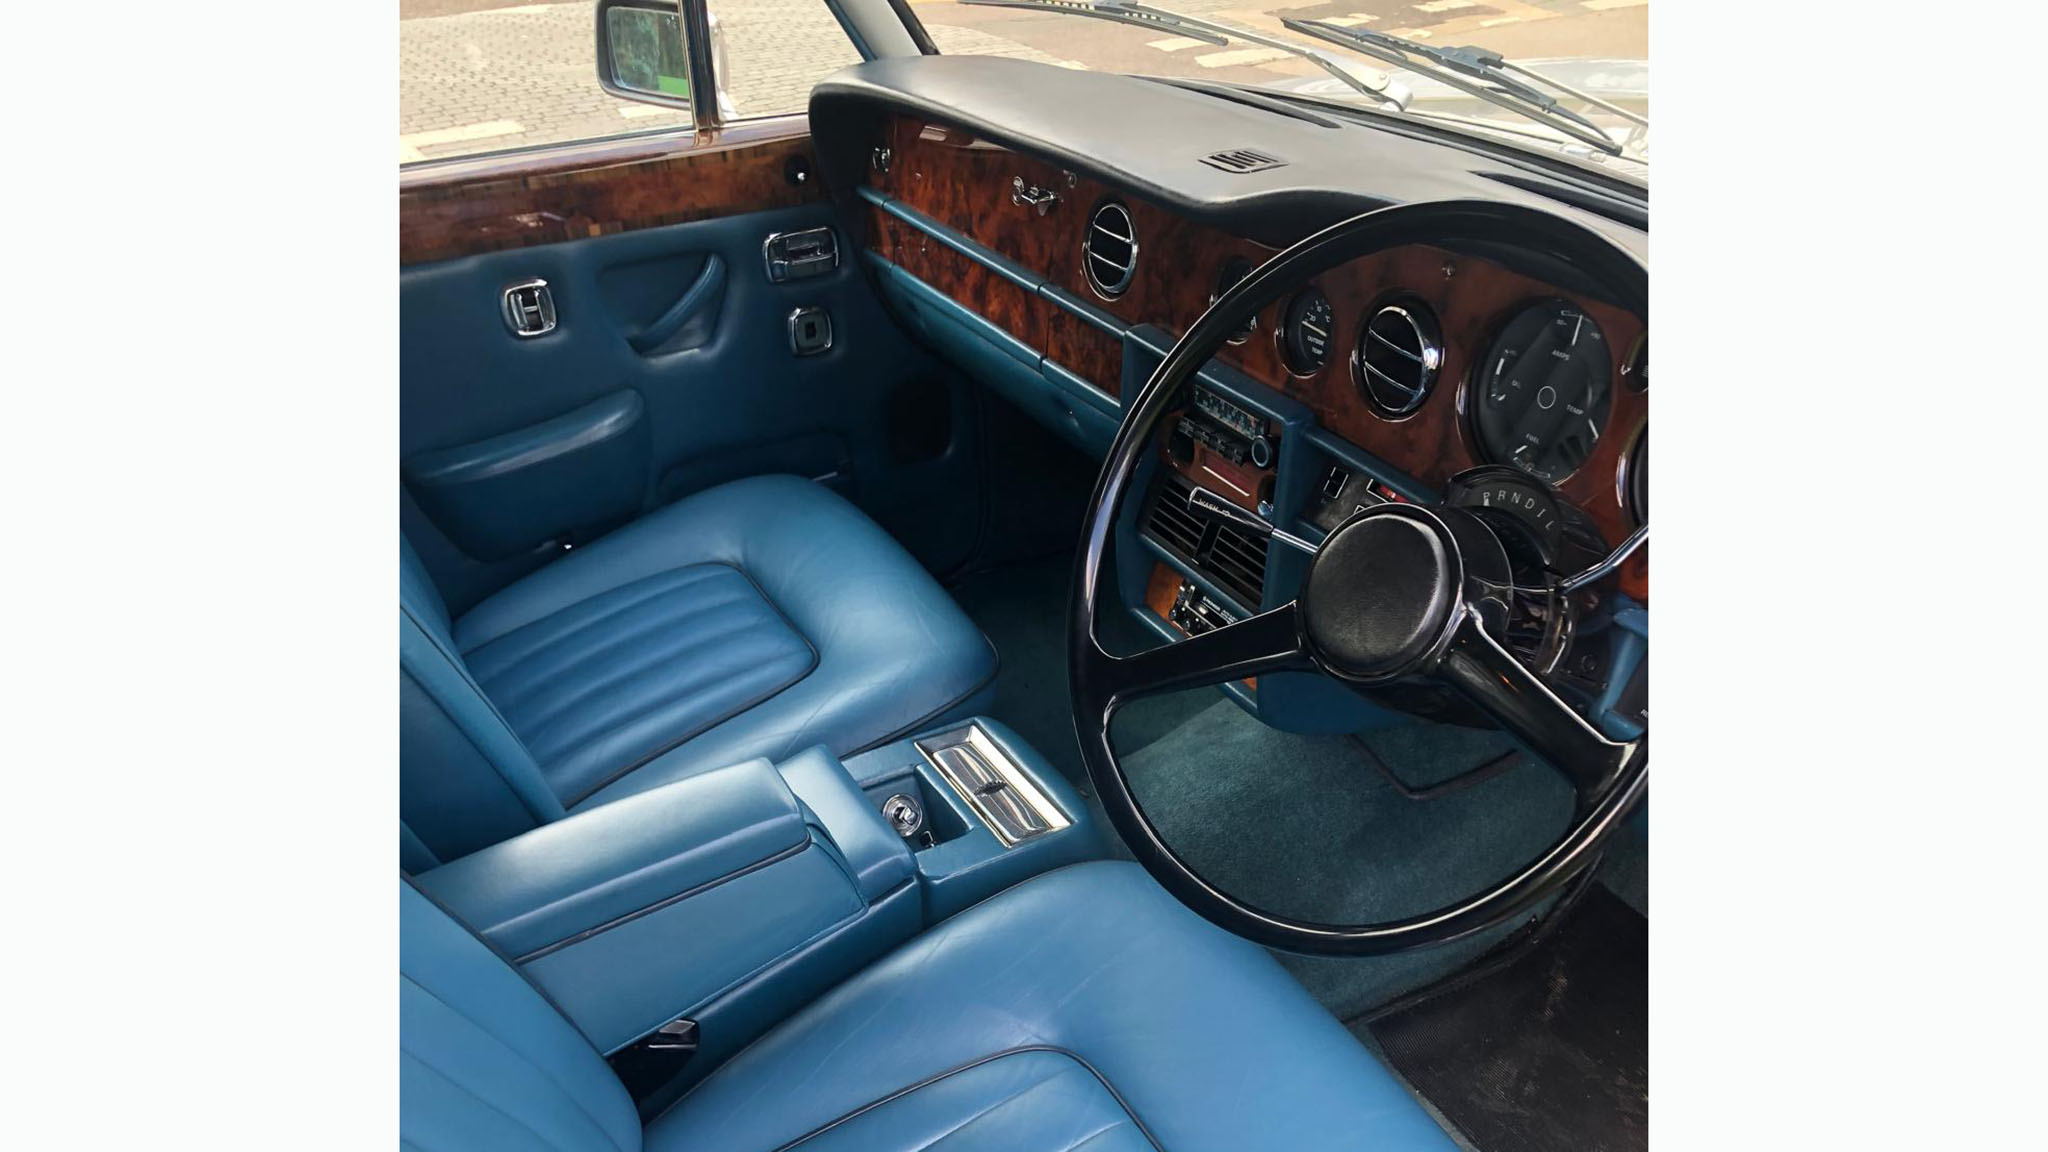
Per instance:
(1380,593)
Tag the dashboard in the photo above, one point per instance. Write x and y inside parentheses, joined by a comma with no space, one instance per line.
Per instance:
(1059,269)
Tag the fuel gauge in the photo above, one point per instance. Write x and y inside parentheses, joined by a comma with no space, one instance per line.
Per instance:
(1305,332)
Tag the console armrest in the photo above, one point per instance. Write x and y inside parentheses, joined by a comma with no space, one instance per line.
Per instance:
(880,860)
(563,879)
(673,901)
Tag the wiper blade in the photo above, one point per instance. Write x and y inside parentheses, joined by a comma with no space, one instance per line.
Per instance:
(1112,11)
(1379,88)
(1478,71)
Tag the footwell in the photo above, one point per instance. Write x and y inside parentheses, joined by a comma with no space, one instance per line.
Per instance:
(1550,1053)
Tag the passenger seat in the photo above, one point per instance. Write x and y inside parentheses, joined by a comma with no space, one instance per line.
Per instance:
(758,618)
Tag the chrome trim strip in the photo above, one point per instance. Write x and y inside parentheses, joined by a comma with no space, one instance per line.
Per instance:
(976,740)
(987,258)
(1101,321)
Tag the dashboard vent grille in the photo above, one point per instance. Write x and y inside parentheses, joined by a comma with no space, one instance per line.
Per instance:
(1111,250)
(1235,559)
(1398,357)
(1171,524)
(1242,160)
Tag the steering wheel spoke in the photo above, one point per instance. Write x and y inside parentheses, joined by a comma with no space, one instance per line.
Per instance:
(1502,686)
(1268,642)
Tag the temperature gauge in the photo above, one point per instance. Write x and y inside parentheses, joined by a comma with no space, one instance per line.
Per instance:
(1305,332)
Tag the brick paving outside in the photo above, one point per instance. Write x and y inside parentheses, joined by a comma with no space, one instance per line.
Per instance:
(490,78)
(512,77)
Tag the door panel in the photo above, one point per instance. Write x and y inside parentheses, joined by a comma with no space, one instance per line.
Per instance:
(669,368)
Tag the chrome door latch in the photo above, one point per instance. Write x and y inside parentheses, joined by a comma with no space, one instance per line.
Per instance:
(529,308)
(1032,196)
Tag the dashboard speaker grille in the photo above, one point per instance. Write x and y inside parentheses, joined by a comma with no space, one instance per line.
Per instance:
(1233,558)
(1242,160)
(1398,357)
(1111,250)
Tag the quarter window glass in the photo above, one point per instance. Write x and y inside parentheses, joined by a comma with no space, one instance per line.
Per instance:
(478,76)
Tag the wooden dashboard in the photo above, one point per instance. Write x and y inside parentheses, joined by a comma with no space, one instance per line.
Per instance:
(965,183)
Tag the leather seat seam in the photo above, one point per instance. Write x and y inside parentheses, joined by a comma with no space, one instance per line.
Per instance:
(749,706)
(563,706)
(667,901)
(484,942)
(705,1002)
(508,1046)
(969,1066)
(482,754)
(431,1068)
(578,658)
(607,614)
(995,669)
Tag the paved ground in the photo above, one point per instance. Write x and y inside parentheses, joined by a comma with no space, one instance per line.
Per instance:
(483,75)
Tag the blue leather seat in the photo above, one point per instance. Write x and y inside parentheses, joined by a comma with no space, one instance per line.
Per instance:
(1083,1008)
(753,619)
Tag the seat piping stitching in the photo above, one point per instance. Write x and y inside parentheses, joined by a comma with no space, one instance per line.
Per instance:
(629,917)
(928,1081)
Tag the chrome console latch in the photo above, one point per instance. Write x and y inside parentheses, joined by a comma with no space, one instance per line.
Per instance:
(1032,196)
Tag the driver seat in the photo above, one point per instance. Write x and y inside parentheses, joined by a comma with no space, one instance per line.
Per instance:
(1085,1008)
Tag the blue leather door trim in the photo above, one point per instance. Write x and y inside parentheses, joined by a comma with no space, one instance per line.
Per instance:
(709,287)
(602,419)
(724,397)
(575,473)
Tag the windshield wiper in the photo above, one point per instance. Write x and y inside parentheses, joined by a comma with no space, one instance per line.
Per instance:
(1481,73)
(1379,89)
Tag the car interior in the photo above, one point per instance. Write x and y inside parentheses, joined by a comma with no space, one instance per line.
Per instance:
(1022,608)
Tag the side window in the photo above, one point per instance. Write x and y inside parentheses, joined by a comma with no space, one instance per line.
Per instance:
(478,76)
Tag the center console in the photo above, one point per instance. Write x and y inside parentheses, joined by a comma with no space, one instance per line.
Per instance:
(980,808)
(712,906)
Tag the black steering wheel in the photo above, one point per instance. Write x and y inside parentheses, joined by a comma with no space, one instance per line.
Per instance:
(1398,592)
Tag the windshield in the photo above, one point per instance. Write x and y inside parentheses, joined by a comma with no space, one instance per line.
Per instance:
(1595,53)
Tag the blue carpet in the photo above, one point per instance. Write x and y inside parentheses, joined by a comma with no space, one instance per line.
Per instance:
(1306,826)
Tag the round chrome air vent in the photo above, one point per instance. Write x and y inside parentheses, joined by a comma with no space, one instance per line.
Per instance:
(1399,354)
(1110,252)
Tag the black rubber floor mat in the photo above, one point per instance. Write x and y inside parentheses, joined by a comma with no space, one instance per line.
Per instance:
(1550,1054)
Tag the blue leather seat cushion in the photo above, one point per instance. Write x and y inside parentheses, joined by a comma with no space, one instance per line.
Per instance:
(757,618)
(610,682)
(1056,1005)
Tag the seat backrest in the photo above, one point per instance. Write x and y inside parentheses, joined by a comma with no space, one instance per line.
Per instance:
(465,779)
(485,1060)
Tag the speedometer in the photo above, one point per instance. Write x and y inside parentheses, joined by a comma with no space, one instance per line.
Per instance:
(1543,390)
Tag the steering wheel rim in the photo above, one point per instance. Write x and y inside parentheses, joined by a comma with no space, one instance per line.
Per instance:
(1436,634)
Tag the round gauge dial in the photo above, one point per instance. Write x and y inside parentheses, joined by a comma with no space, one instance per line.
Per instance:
(1305,335)
(1543,390)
